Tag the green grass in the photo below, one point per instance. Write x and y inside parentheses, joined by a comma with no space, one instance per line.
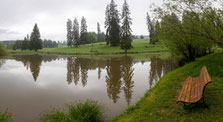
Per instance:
(140,46)
(6,117)
(159,104)
(3,51)
(89,111)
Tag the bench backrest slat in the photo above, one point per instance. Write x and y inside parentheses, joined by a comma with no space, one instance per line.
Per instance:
(204,76)
(193,88)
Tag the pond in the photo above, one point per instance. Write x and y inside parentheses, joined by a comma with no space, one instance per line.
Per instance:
(33,84)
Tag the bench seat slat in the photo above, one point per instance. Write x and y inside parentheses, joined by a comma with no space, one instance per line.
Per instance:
(193,88)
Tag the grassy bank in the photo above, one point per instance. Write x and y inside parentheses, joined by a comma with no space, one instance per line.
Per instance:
(140,46)
(3,51)
(159,104)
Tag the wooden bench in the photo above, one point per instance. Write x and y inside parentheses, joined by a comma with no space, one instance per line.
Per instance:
(193,89)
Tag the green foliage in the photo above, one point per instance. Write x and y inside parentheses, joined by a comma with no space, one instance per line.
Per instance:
(49,44)
(6,117)
(76,36)
(17,45)
(55,116)
(197,33)
(3,51)
(101,36)
(10,46)
(35,40)
(92,37)
(69,33)
(84,33)
(25,43)
(112,26)
(126,33)
(151,28)
(89,111)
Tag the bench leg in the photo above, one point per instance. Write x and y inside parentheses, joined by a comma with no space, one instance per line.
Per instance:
(205,103)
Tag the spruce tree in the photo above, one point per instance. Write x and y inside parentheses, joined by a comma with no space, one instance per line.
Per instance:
(69,32)
(99,32)
(76,35)
(25,43)
(112,21)
(126,34)
(107,23)
(35,40)
(84,34)
(151,29)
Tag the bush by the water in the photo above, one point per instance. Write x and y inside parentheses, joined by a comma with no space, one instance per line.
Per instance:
(2,50)
(6,117)
(89,111)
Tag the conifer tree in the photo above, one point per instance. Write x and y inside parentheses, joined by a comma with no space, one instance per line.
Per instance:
(126,33)
(84,34)
(35,39)
(25,43)
(107,23)
(151,29)
(76,36)
(69,32)
(112,21)
(100,38)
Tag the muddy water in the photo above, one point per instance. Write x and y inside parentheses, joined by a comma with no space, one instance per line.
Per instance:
(31,85)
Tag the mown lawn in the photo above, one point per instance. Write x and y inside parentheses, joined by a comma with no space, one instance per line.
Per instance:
(159,104)
(140,46)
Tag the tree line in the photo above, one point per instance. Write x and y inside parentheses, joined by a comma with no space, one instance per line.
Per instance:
(34,42)
(79,35)
(116,34)
(191,28)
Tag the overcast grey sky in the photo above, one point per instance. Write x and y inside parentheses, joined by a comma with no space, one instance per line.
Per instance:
(17,17)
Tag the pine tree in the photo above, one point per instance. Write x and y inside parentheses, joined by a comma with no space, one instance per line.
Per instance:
(151,29)
(112,21)
(35,40)
(157,31)
(76,36)
(25,43)
(126,34)
(69,32)
(83,36)
(107,23)
(99,32)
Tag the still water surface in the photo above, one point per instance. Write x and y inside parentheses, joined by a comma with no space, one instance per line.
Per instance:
(31,85)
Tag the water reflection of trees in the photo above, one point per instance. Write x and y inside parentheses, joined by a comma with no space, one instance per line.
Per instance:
(119,71)
(127,75)
(113,79)
(159,67)
(2,61)
(34,62)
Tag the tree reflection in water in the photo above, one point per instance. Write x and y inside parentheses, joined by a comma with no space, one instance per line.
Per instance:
(113,79)
(2,61)
(127,75)
(34,62)
(119,77)
(158,68)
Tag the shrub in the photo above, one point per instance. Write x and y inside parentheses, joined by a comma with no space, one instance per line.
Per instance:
(55,116)
(6,117)
(89,111)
